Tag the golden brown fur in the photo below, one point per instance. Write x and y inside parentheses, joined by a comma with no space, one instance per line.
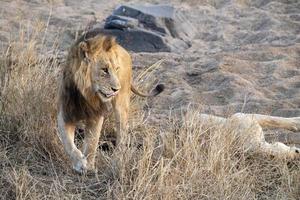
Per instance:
(96,77)
(77,98)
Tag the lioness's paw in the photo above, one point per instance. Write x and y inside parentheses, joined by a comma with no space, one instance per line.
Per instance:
(80,166)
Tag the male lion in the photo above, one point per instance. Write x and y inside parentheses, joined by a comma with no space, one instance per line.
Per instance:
(97,76)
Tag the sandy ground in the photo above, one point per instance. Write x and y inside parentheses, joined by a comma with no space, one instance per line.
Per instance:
(244,57)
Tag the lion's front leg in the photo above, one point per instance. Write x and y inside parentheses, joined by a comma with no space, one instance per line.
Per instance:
(121,110)
(66,134)
(91,139)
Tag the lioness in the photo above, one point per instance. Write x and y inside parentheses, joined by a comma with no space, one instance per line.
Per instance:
(249,128)
(97,75)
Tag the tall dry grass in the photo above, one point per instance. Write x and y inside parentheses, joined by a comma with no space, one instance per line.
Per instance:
(180,160)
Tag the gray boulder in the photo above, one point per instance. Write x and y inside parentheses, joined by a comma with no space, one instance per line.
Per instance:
(151,28)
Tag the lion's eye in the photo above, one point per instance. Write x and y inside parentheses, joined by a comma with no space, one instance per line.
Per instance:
(117,69)
(105,70)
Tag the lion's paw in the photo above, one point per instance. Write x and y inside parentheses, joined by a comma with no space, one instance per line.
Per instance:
(80,166)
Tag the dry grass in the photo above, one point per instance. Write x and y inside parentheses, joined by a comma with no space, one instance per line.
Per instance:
(184,161)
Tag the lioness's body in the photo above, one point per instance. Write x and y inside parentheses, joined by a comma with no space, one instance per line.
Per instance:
(96,77)
(248,127)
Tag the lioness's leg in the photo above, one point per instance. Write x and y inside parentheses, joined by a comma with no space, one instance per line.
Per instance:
(91,139)
(66,134)
(280,149)
(292,124)
(251,124)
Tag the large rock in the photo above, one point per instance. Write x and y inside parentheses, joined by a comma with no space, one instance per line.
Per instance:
(152,28)
(134,40)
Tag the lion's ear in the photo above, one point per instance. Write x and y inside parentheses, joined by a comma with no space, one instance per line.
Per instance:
(108,42)
(84,49)
(83,46)
(97,44)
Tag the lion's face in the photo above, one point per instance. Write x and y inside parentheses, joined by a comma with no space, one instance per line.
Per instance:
(102,66)
(104,78)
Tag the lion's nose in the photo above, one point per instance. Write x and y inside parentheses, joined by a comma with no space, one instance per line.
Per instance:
(115,89)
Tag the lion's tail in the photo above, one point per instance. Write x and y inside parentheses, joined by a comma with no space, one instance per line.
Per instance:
(157,90)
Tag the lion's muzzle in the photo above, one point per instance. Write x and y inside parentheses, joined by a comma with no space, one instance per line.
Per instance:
(109,94)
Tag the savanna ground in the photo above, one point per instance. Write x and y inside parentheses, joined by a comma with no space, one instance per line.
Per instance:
(245,57)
